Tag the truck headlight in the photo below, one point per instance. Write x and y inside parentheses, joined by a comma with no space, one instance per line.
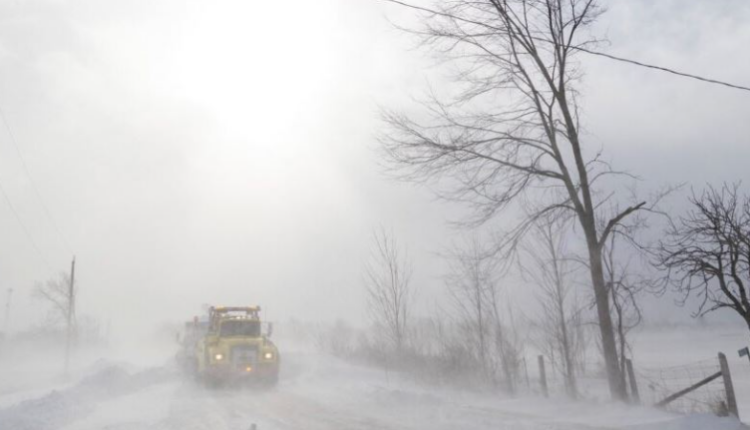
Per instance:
(218,357)
(268,355)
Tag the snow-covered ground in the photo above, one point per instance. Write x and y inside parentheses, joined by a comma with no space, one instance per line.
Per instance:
(315,392)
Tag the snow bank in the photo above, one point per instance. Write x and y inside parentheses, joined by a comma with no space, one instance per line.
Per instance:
(59,407)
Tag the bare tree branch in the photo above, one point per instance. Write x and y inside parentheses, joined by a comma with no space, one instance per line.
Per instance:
(706,251)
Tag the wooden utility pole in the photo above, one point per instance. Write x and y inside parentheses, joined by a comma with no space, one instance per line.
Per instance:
(71,315)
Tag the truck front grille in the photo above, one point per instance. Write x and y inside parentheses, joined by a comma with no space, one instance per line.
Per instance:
(244,355)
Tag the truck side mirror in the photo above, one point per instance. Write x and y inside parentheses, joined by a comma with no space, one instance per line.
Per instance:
(270,329)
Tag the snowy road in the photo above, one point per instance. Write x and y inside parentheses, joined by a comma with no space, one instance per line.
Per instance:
(315,392)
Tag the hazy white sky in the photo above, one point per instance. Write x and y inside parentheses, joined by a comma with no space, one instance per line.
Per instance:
(222,152)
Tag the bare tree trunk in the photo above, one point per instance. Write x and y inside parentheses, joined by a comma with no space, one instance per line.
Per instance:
(601,295)
(508,372)
(570,379)
(481,329)
(70,315)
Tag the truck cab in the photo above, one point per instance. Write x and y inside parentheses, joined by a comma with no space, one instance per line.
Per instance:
(234,348)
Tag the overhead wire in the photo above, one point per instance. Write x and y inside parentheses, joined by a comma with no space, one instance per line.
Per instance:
(596,53)
(39,198)
(24,228)
(663,69)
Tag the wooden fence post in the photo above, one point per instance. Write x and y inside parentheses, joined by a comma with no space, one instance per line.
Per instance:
(543,376)
(526,370)
(728,387)
(635,397)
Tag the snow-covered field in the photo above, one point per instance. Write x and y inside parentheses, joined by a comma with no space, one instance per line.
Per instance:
(320,392)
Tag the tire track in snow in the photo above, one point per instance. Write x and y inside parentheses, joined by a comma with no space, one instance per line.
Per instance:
(195,408)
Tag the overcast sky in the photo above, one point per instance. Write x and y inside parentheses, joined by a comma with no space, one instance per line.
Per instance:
(222,152)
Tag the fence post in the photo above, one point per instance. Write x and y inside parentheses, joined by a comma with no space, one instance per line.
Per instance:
(526,370)
(728,387)
(635,396)
(543,376)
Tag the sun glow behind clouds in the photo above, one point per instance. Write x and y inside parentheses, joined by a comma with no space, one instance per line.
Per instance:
(267,74)
(260,67)
(258,75)
(262,182)
(222,149)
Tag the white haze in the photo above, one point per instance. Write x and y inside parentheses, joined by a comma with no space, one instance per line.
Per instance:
(223,152)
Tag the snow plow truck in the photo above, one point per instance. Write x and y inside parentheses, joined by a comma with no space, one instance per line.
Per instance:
(229,347)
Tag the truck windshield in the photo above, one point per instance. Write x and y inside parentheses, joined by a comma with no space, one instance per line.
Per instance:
(240,328)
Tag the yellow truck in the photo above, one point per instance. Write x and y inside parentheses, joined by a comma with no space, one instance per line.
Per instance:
(231,348)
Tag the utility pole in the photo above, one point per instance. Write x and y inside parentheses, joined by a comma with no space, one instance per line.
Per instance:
(71,314)
(6,323)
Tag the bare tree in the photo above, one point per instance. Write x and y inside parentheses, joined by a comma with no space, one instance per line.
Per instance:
(508,343)
(512,130)
(551,271)
(389,290)
(60,293)
(706,252)
(473,284)
(56,292)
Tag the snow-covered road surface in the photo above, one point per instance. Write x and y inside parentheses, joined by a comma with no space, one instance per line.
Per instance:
(315,392)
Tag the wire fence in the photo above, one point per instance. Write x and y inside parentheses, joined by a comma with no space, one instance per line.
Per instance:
(701,381)
(657,384)
(590,378)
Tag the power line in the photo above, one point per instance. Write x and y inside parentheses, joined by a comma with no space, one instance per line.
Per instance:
(33,183)
(588,51)
(24,228)
(663,69)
